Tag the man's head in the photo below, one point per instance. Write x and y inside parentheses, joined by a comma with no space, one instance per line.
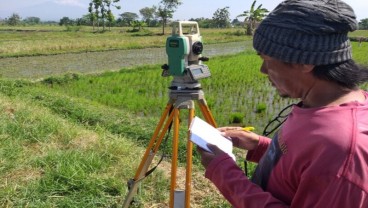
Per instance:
(307,32)
(308,39)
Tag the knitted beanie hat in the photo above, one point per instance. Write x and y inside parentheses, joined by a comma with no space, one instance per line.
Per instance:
(307,32)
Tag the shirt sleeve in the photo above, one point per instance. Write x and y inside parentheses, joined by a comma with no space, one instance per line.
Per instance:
(256,154)
(235,186)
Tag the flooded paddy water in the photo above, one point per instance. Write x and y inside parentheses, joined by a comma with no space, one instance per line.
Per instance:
(36,67)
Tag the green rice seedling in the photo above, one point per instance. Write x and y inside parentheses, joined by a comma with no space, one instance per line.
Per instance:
(236,118)
(261,107)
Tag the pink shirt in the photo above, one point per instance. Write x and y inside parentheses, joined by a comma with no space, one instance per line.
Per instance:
(319,158)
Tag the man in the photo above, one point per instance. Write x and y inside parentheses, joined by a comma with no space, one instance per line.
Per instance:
(319,155)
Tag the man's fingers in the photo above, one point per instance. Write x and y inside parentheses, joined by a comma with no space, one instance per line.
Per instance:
(215,149)
(235,133)
(203,151)
(229,128)
(200,149)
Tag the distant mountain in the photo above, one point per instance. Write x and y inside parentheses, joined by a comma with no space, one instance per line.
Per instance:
(48,11)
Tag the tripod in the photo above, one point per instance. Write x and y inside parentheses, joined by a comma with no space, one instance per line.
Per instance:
(179,99)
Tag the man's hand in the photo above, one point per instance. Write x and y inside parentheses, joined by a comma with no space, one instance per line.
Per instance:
(240,138)
(207,157)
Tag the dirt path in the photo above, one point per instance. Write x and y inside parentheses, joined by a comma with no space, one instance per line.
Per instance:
(93,62)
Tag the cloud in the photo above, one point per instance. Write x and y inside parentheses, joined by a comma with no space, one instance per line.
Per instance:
(76,3)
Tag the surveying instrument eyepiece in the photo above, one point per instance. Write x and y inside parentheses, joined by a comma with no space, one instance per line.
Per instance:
(184,50)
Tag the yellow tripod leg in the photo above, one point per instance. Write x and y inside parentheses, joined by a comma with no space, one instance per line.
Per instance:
(149,154)
(174,158)
(188,174)
(207,113)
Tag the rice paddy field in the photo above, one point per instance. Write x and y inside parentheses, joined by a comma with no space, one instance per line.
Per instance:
(74,140)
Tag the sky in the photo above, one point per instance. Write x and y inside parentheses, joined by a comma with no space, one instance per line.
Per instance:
(56,9)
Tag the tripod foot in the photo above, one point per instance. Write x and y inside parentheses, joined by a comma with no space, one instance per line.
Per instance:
(130,184)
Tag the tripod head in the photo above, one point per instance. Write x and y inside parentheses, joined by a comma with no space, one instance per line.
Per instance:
(184,49)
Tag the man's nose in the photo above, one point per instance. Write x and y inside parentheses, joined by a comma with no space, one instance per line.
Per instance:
(264,68)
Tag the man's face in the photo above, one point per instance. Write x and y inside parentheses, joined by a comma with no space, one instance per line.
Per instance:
(288,79)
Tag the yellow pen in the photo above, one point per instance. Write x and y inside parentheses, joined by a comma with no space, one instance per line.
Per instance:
(248,128)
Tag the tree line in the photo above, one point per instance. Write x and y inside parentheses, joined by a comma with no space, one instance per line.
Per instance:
(100,15)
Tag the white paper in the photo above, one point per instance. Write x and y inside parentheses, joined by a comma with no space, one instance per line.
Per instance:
(202,133)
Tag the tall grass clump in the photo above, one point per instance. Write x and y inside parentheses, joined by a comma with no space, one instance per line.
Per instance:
(46,160)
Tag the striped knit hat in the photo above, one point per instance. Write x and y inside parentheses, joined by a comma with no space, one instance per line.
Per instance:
(307,32)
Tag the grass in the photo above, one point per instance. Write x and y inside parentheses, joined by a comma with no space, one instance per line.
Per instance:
(54,39)
(61,151)
(360,53)
(48,160)
(48,40)
(359,33)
